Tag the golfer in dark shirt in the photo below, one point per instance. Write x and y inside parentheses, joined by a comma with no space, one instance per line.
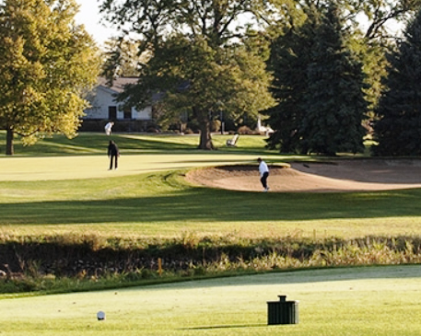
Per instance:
(113,154)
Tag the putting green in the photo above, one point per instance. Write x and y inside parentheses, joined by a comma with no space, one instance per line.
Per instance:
(86,167)
(356,301)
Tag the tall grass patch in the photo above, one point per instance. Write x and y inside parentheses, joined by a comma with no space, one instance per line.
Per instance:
(60,263)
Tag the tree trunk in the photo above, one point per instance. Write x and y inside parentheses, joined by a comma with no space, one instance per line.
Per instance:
(9,141)
(205,133)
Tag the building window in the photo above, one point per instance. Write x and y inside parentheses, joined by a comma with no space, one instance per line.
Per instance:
(127,113)
(112,112)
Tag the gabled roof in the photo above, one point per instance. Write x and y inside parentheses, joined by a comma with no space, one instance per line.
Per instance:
(118,83)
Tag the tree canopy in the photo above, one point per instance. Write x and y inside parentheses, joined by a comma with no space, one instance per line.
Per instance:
(207,56)
(125,52)
(398,130)
(318,83)
(47,63)
(334,102)
(372,17)
(204,56)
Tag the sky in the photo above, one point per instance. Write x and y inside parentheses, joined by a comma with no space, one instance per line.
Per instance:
(89,16)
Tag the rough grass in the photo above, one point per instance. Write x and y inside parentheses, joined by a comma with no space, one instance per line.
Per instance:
(52,264)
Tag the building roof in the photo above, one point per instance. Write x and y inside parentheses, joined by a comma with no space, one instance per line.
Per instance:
(118,83)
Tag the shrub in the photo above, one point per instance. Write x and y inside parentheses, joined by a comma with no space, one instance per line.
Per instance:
(86,263)
(245,130)
(215,126)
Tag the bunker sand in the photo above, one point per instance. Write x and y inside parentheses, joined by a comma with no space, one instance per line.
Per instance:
(337,176)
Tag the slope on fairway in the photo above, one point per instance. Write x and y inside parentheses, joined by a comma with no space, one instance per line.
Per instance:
(356,301)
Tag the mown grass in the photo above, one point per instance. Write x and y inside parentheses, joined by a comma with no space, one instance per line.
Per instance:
(74,196)
(379,301)
(96,143)
(61,194)
(161,204)
(60,191)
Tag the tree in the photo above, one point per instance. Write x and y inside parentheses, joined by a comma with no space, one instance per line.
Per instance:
(202,58)
(47,63)
(382,20)
(318,84)
(376,15)
(380,12)
(398,130)
(373,25)
(334,102)
(125,52)
(289,59)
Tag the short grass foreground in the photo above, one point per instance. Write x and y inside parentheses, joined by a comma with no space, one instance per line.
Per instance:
(380,301)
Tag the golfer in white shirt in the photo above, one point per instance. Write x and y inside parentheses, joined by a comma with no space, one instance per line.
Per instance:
(264,173)
(108,128)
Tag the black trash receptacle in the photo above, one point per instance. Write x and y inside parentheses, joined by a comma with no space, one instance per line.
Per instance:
(282,311)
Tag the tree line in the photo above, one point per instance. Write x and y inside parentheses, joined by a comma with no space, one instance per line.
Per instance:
(335,84)
(322,78)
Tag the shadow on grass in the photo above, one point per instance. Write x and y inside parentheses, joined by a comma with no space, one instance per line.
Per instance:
(214,205)
(96,144)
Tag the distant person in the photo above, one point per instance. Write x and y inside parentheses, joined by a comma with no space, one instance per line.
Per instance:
(264,173)
(113,154)
(108,128)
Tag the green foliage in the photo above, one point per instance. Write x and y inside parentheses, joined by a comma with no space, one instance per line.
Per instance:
(201,81)
(318,83)
(207,63)
(372,18)
(289,60)
(126,54)
(398,129)
(334,101)
(291,56)
(47,63)
(380,13)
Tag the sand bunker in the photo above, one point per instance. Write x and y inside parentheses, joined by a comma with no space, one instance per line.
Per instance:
(336,176)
